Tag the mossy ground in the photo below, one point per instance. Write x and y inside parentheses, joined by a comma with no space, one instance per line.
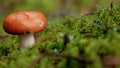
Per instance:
(95,37)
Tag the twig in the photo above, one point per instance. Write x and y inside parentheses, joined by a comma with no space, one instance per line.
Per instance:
(36,60)
(42,54)
(66,41)
(79,59)
(2,36)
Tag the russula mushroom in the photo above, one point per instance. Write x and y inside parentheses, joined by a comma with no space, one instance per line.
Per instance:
(25,24)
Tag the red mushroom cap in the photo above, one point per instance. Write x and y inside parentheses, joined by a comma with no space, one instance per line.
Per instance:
(25,21)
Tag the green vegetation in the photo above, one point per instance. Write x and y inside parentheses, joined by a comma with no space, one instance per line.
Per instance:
(78,41)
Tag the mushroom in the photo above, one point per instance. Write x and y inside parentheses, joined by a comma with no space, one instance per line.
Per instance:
(25,24)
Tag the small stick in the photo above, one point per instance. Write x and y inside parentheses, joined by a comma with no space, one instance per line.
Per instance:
(2,36)
(36,60)
(43,54)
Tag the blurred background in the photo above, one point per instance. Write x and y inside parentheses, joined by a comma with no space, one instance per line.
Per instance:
(53,8)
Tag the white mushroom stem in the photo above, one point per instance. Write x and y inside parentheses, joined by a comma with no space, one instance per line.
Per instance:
(26,40)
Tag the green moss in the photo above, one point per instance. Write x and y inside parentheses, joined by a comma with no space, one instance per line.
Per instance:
(90,36)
